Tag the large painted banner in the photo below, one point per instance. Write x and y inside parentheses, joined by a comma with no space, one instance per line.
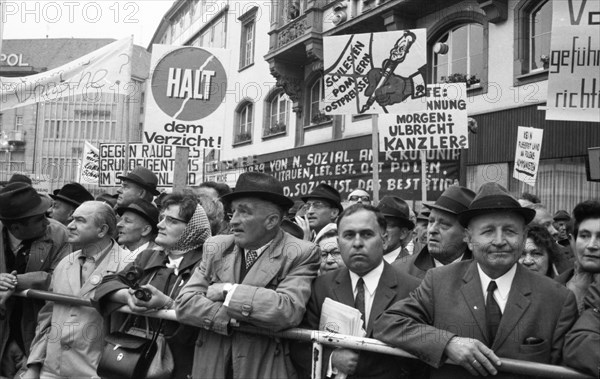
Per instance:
(348,164)
(573,79)
(187,90)
(443,125)
(375,73)
(106,70)
(159,159)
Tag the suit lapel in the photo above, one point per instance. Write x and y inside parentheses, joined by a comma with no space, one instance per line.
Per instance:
(473,296)
(226,269)
(74,272)
(342,288)
(384,295)
(268,263)
(517,303)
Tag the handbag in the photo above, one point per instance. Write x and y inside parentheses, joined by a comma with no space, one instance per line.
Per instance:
(163,364)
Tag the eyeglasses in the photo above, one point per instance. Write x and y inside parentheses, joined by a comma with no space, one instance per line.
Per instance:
(334,253)
(315,205)
(170,220)
(359,198)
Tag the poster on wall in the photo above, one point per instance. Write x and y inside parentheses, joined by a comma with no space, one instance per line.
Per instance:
(375,73)
(443,125)
(186,96)
(574,61)
(527,154)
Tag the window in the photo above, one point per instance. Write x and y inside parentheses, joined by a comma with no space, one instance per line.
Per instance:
(533,24)
(18,122)
(243,130)
(464,59)
(540,27)
(278,116)
(247,48)
(316,95)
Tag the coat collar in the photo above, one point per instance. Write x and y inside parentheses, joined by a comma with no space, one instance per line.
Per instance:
(109,265)
(424,260)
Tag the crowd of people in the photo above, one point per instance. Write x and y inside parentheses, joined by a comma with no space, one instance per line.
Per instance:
(471,278)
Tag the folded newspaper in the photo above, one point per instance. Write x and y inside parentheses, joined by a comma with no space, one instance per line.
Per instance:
(341,318)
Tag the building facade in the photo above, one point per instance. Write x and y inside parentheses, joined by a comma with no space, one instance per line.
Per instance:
(45,141)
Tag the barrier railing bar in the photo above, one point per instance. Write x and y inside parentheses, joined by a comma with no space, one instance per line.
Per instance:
(508,365)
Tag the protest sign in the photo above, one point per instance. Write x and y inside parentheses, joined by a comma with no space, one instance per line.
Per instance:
(527,155)
(375,73)
(160,159)
(573,80)
(348,164)
(89,171)
(106,70)
(443,125)
(186,105)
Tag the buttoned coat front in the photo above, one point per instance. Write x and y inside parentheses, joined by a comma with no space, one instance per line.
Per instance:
(273,295)
(450,302)
(69,338)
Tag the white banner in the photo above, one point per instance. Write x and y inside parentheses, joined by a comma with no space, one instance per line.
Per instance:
(89,170)
(106,70)
(443,125)
(574,62)
(527,155)
(375,73)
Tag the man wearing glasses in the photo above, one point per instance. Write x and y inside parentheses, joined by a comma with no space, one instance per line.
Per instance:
(322,206)
(359,196)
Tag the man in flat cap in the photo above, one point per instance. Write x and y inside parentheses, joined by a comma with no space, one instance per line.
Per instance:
(322,207)
(445,235)
(140,183)
(66,200)
(31,246)
(258,275)
(473,312)
(399,227)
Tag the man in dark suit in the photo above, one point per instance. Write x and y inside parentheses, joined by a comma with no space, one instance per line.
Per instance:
(474,312)
(399,227)
(445,235)
(362,241)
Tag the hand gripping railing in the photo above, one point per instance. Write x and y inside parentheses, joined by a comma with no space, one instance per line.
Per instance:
(319,338)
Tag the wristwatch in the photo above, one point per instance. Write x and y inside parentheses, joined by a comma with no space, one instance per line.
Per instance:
(226,288)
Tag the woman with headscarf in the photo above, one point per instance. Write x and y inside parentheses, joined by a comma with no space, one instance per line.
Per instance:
(163,271)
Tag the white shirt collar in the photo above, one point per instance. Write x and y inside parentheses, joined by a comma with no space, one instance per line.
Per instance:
(15,243)
(503,282)
(260,250)
(440,264)
(392,255)
(371,279)
(140,248)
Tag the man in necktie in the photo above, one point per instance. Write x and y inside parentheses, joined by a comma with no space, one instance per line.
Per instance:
(473,312)
(399,227)
(258,275)
(369,284)
(31,245)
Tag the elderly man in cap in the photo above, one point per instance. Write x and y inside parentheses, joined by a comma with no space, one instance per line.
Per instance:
(473,312)
(66,200)
(445,235)
(258,275)
(30,248)
(561,220)
(399,227)
(69,338)
(140,183)
(322,207)
(137,227)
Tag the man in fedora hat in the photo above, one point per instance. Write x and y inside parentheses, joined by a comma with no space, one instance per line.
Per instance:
(399,227)
(322,206)
(69,338)
(258,275)
(445,235)
(473,312)
(140,183)
(137,227)
(30,248)
(66,200)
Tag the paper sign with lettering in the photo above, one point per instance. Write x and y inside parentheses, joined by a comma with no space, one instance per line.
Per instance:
(160,159)
(186,102)
(527,155)
(89,164)
(574,62)
(375,73)
(442,126)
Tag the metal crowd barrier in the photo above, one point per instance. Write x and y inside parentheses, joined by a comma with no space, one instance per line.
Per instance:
(319,338)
